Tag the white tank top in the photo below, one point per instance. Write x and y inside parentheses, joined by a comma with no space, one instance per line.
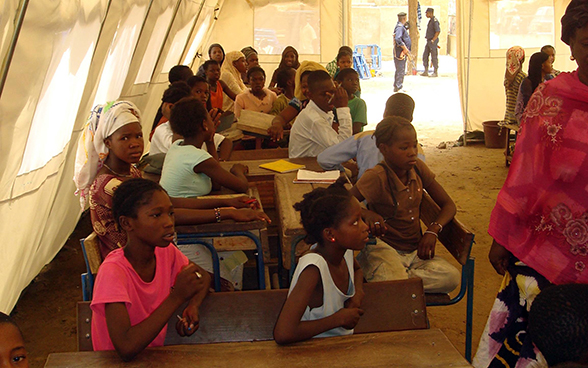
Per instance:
(333,298)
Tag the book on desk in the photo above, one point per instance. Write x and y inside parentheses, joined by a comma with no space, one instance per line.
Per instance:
(254,122)
(282,166)
(325,177)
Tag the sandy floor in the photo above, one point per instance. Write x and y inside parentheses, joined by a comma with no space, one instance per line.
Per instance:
(472,175)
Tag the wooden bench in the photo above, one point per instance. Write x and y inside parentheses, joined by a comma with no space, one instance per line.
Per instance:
(251,315)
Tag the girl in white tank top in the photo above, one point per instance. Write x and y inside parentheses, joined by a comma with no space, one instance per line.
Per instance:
(326,290)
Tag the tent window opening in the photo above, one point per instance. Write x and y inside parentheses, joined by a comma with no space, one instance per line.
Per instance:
(119,57)
(293,23)
(202,29)
(178,45)
(61,94)
(154,47)
(521,23)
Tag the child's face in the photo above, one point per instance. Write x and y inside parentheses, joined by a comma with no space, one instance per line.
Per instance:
(126,143)
(351,232)
(323,95)
(212,73)
(217,54)
(351,83)
(402,153)
(289,59)
(12,351)
(304,85)
(154,224)
(257,82)
(240,65)
(252,60)
(345,62)
(201,91)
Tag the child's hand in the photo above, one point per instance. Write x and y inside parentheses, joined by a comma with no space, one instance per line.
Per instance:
(189,281)
(356,300)
(341,97)
(276,132)
(246,214)
(215,115)
(189,322)
(349,317)
(426,249)
(242,202)
(499,257)
(239,169)
(375,222)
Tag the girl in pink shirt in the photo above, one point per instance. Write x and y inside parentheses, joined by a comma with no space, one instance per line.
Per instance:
(140,286)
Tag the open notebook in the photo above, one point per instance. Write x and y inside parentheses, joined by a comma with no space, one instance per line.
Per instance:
(325,177)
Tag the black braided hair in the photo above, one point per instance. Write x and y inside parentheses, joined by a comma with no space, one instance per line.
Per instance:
(322,208)
(187,117)
(131,195)
(176,91)
(576,17)
(179,73)
(558,323)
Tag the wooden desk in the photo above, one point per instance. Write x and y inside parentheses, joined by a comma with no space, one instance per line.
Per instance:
(415,348)
(287,194)
(256,172)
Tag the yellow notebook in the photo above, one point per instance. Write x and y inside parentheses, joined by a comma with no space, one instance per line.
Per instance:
(282,166)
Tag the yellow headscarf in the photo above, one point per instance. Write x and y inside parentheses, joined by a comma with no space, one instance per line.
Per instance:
(306,65)
(229,68)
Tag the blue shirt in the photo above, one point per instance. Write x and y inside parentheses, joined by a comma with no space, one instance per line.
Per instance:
(401,38)
(432,28)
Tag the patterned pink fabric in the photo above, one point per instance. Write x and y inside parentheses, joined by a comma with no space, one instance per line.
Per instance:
(541,214)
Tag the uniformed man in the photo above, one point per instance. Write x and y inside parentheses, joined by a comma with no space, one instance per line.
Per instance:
(401,50)
(432,37)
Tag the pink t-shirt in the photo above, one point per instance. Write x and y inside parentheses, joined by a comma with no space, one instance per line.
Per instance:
(118,282)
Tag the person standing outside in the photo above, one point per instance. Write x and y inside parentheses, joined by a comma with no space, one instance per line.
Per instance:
(432,37)
(401,50)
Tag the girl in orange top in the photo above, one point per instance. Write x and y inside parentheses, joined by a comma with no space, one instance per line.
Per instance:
(217,86)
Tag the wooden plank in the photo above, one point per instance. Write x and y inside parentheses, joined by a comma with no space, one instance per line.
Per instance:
(242,155)
(408,349)
(255,122)
(255,170)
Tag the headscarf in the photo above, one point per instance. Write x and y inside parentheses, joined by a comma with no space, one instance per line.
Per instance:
(229,68)
(92,151)
(220,47)
(306,65)
(514,64)
(576,17)
(283,62)
(248,51)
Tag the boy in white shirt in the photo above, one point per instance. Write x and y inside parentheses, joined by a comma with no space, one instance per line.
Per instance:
(314,129)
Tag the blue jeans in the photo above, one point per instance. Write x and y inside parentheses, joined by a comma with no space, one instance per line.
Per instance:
(399,75)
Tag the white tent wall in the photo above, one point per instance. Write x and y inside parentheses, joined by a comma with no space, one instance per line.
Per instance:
(235,30)
(53,80)
(486,97)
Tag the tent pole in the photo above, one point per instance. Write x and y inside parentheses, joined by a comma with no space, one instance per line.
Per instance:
(10,52)
(467,99)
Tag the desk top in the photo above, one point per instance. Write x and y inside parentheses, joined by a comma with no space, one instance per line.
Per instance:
(415,348)
(255,170)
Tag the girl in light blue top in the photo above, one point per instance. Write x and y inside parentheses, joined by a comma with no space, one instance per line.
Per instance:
(326,291)
(189,171)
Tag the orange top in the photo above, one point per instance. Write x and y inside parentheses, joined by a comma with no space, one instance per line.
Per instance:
(216,98)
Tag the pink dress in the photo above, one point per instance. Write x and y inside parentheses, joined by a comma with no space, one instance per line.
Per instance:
(118,282)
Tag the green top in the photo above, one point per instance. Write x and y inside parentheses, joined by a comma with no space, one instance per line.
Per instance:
(279,104)
(358,110)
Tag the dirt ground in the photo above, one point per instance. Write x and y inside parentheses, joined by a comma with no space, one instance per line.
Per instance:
(472,175)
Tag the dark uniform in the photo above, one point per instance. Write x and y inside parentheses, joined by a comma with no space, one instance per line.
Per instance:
(401,38)
(431,47)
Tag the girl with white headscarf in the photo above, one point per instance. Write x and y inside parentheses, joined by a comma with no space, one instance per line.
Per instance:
(231,71)
(112,141)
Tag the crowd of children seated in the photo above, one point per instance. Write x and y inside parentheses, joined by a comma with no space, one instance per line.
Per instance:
(144,276)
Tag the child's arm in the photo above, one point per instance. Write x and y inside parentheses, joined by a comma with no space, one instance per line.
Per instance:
(332,157)
(190,317)
(372,219)
(289,327)
(276,131)
(131,340)
(355,301)
(225,149)
(229,92)
(194,217)
(234,180)
(426,249)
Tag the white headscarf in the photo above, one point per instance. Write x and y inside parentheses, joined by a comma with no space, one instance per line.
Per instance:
(92,151)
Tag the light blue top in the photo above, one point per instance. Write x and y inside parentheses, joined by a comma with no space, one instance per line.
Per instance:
(178,176)
(361,145)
